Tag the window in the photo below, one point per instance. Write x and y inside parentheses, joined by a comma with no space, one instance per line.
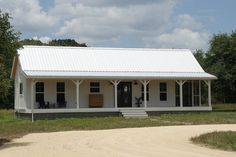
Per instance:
(94,87)
(40,92)
(61,94)
(60,87)
(163,91)
(21,88)
(147,94)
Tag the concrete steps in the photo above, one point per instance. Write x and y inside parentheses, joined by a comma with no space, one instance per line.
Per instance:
(134,113)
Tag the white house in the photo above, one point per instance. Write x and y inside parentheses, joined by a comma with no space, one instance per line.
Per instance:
(73,80)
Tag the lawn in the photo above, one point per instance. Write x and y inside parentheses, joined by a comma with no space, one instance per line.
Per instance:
(11,127)
(225,140)
(224,107)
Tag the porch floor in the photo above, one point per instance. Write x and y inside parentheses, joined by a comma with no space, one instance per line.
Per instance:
(94,110)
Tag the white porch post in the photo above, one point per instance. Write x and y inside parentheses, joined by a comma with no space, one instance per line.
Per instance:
(208,82)
(33,82)
(181,82)
(200,93)
(145,83)
(77,83)
(115,83)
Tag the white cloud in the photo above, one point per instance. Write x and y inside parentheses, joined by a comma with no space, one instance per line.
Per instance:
(180,38)
(149,23)
(28,15)
(187,21)
(91,24)
(45,39)
(108,3)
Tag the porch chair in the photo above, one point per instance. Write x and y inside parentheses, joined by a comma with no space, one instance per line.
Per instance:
(61,104)
(139,101)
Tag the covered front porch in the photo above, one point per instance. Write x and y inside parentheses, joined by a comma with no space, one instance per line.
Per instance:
(85,95)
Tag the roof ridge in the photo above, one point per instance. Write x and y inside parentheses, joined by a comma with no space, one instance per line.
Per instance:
(104,48)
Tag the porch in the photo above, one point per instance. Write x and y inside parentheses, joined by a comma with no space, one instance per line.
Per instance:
(68,96)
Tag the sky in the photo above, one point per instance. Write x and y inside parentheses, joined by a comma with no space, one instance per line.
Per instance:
(124,23)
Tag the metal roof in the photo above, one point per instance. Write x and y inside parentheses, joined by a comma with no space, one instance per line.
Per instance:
(52,61)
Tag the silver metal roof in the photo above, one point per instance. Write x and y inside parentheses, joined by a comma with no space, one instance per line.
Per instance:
(89,62)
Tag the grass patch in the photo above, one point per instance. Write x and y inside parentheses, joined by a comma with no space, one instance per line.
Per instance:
(11,127)
(224,107)
(224,140)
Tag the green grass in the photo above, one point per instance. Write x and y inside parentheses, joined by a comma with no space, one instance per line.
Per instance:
(225,140)
(11,127)
(224,107)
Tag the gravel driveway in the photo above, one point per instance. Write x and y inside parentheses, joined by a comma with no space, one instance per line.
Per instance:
(168,141)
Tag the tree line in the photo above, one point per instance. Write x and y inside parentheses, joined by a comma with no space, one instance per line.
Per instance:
(9,43)
(55,42)
(219,60)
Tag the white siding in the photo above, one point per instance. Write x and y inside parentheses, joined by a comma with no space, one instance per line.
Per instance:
(50,91)
(154,93)
(21,100)
(105,88)
(136,92)
(154,100)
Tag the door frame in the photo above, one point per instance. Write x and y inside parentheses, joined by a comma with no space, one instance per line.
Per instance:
(130,94)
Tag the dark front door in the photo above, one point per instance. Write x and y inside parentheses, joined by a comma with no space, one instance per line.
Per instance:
(124,94)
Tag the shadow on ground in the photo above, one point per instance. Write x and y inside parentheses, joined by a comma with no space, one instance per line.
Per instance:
(14,144)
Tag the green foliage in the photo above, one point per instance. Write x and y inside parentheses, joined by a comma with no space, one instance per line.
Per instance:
(220,60)
(225,140)
(8,46)
(66,42)
(200,55)
(59,42)
(30,42)
(5,83)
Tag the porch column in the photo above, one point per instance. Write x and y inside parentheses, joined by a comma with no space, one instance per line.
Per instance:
(145,83)
(115,83)
(77,83)
(181,82)
(208,82)
(200,93)
(33,82)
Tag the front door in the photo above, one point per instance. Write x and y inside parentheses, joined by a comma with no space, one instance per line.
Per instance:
(124,94)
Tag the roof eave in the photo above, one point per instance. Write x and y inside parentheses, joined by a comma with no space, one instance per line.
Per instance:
(14,66)
(119,77)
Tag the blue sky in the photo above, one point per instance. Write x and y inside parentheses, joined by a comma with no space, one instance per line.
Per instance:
(124,23)
(222,12)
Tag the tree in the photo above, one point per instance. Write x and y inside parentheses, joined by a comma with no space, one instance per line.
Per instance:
(220,61)
(66,42)
(200,55)
(31,42)
(55,42)
(8,46)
